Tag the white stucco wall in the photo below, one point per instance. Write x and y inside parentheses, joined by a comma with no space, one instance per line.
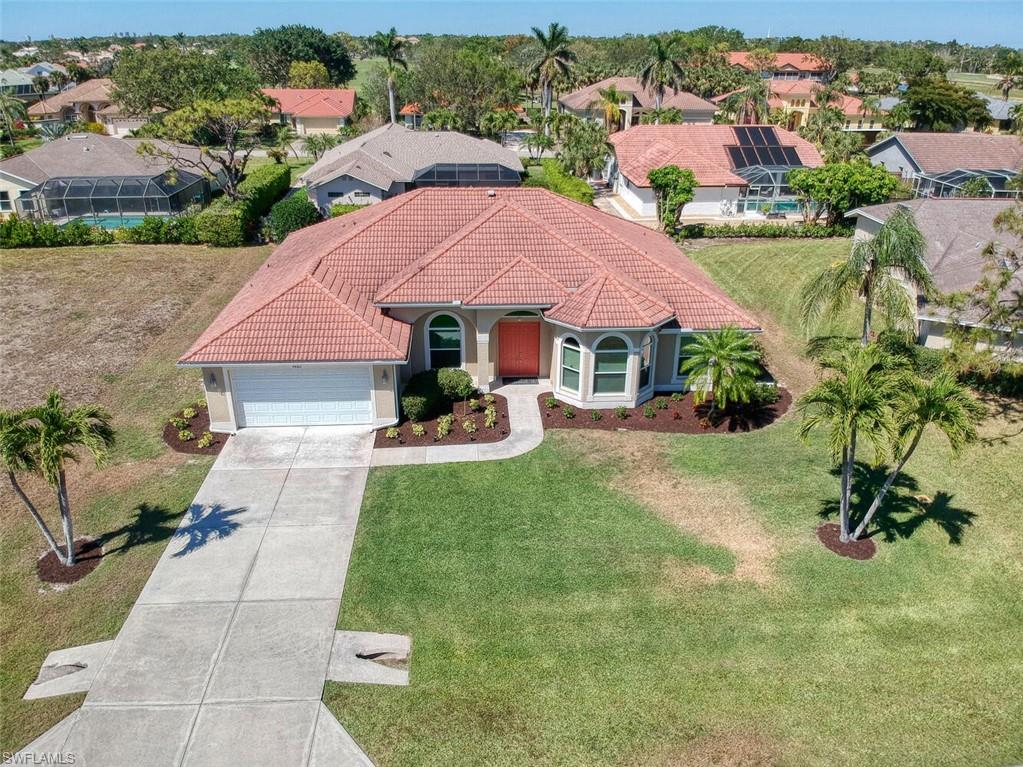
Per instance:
(894,158)
(346,190)
(707,200)
(640,199)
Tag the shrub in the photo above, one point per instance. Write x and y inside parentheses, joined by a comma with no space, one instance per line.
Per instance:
(490,399)
(455,383)
(769,230)
(550,403)
(765,394)
(490,417)
(178,422)
(468,426)
(392,433)
(661,403)
(262,187)
(342,209)
(222,225)
(596,415)
(568,412)
(418,430)
(185,435)
(676,396)
(474,405)
(621,413)
(188,413)
(290,214)
(205,440)
(648,411)
(444,424)
(422,396)
(17,232)
(557,180)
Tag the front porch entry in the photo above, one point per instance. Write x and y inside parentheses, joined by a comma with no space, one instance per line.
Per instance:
(518,343)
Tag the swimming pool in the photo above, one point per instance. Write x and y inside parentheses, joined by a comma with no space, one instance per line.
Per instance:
(112,222)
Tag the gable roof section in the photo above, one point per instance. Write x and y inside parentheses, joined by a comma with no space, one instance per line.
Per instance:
(940,152)
(94,91)
(320,295)
(701,148)
(586,97)
(313,102)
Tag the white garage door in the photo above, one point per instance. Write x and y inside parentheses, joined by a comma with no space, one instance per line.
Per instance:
(308,396)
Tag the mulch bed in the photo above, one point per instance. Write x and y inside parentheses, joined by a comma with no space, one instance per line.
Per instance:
(199,424)
(679,417)
(88,555)
(863,549)
(458,435)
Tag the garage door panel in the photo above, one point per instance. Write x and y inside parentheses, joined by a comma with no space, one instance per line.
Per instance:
(306,397)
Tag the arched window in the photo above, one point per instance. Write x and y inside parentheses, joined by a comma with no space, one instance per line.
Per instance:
(443,342)
(646,362)
(570,364)
(610,365)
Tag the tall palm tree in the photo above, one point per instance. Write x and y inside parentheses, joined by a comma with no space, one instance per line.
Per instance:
(724,363)
(42,440)
(555,59)
(855,398)
(869,274)
(750,105)
(610,104)
(392,49)
(661,70)
(13,110)
(942,402)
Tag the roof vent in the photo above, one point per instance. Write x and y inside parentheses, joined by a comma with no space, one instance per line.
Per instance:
(491,193)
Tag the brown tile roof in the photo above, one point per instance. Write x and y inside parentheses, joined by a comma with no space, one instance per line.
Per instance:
(321,294)
(313,102)
(93,91)
(805,62)
(701,148)
(940,152)
(585,98)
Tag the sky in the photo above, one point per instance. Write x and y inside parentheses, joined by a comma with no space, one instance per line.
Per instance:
(981,22)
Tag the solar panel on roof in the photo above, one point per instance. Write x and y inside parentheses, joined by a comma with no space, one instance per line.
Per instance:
(760,145)
(735,155)
(742,136)
(791,155)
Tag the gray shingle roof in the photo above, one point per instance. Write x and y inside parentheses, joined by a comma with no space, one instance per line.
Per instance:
(393,153)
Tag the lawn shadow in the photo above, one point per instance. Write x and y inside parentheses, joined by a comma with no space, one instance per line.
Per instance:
(151,524)
(904,510)
(205,524)
(1007,409)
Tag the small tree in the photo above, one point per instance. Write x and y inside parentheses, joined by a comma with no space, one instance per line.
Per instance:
(663,116)
(308,74)
(584,148)
(978,186)
(41,440)
(835,189)
(537,143)
(725,364)
(456,384)
(13,110)
(673,187)
(498,123)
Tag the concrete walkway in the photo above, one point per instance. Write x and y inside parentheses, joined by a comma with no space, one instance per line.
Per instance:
(222,660)
(526,434)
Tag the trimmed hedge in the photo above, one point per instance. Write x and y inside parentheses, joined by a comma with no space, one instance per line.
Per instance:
(341,209)
(223,224)
(262,187)
(766,230)
(289,214)
(557,180)
(23,233)
(422,397)
(227,223)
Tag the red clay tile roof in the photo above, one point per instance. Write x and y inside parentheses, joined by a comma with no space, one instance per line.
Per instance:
(805,62)
(313,102)
(587,97)
(940,152)
(412,108)
(322,294)
(701,148)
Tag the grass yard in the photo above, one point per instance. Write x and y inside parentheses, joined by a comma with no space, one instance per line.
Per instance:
(104,325)
(298,165)
(662,601)
(363,68)
(988,85)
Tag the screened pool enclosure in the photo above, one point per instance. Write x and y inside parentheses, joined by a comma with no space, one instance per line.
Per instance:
(109,199)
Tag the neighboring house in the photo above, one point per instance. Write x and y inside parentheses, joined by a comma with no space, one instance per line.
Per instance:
(90,102)
(504,283)
(412,115)
(101,179)
(393,159)
(18,84)
(741,169)
(312,110)
(787,66)
(43,69)
(637,101)
(25,52)
(938,164)
(999,109)
(958,233)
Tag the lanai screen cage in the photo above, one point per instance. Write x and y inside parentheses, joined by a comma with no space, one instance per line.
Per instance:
(768,188)
(950,183)
(118,197)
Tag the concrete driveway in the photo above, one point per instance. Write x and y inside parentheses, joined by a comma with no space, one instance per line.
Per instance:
(223,658)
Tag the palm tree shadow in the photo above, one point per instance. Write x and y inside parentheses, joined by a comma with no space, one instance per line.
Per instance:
(205,524)
(904,510)
(151,524)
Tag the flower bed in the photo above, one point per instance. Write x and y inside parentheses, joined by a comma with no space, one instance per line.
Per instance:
(669,413)
(478,433)
(188,431)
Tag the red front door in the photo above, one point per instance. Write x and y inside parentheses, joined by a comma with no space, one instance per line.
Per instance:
(518,346)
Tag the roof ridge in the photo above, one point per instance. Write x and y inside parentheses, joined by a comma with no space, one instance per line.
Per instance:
(515,262)
(348,308)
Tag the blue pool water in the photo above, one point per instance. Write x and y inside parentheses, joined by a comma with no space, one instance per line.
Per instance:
(112,222)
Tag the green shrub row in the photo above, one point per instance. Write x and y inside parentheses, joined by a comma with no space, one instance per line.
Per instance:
(154,230)
(557,180)
(291,213)
(767,230)
(228,223)
(341,209)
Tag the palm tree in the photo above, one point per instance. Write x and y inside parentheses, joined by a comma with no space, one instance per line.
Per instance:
(942,402)
(538,142)
(41,440)
(318,143)
(663,116)
(499,122)
(869,274)
(661,71)
(750,105)
(40,84)
(555,58)
(724,363)
(392,49)
(610,104)
(13,110)
(856,398)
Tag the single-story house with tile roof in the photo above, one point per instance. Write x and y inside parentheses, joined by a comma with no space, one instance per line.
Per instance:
(98,179)
(740,168)
(637,101)
(938,164)
(787,65)
(393,159)
(312,110)
(90,102)
(958,233)
(504,283)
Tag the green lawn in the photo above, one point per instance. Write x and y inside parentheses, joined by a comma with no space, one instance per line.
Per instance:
(363,67)
(555,620)
(982,83)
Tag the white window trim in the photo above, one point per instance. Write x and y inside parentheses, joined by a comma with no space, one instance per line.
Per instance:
(675,377)
(561,365)
(629,383)
(426,338)
(652,337)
